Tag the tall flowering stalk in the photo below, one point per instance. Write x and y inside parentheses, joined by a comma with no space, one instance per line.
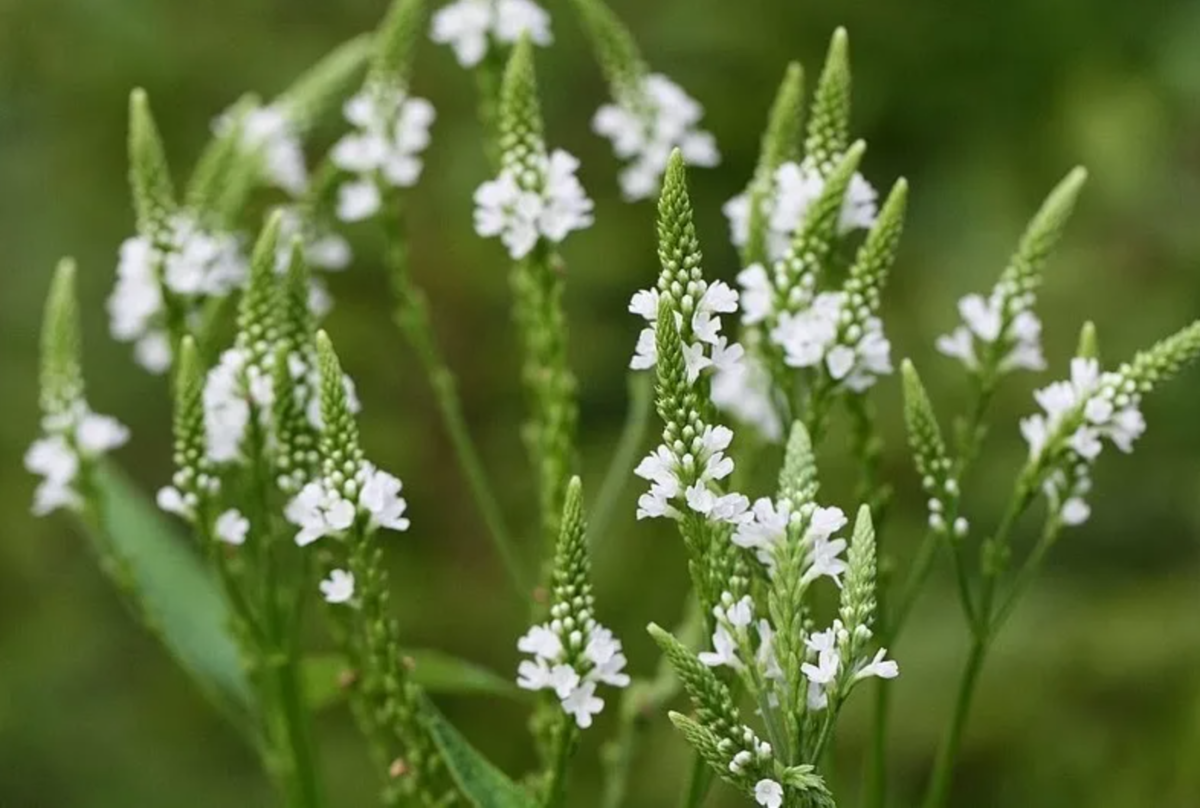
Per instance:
(347,505)
(533,204)
(649,115)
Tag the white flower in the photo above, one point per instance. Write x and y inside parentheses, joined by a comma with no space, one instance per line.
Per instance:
(826,560)
(380,498)
(270,132)
(768,793)
(171,500)
(391,131)
(226,407)
(583,703)
(231,527)
(984,320)
(724,650)
(533,674)
(319,511)
(766,530)
(1075,511)
(56,461)
(189,262)
(807,335)
(563,680)
(520,216)
(645,129)
(541,641)
(467,25)
(99,434)
(758,294)
(880,667)
(744,390)
(358,200)
(338,587)
(794,188)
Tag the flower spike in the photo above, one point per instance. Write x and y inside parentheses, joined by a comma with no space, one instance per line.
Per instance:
(149,174)
(829,123)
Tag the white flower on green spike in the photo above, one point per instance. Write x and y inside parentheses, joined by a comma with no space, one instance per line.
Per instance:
(537,196)
(188,263)
(390,132)
(795,187)
(644,128)
(807,335)
(707,349)
(270,132)
(520,217)
(74,436)
(768,793)
(744,390)
(982,323)
(231,527)
(471,27)
(572,653)
(338,586)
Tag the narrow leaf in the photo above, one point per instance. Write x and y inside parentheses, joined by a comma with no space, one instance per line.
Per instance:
(478,779)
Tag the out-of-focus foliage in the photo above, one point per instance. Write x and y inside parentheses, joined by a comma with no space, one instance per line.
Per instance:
(1093,697)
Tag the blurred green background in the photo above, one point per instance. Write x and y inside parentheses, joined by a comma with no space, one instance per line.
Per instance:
(1093,694)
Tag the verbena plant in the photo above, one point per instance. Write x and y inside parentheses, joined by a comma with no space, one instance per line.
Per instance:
(287,512)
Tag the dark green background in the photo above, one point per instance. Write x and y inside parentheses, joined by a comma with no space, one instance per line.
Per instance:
(1093,695)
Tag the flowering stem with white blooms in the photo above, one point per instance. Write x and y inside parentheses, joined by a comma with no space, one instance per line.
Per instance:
(533,204)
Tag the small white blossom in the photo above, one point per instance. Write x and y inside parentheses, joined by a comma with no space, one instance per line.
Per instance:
(231,527)
(744,390)
(558,665)
(270,132)
(768,793)
(879,667)
(999,319)
(391,130)
(470,26)
(646,128)
(521,217)
(582,703)
(187,262)
(794,188)
(73,438)
(338,587)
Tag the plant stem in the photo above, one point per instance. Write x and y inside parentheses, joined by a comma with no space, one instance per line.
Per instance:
(291,739)
(556,788)
(699,781)
(412,316)
(642,701)
(637,421)
(943,771)
(875,792)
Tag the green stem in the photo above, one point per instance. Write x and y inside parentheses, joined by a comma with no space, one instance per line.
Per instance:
(699,781)
(616,479)
(943,771)
(875,793)
(412,316)
(642,701)
(556,788)
(292,742)
(1025,576)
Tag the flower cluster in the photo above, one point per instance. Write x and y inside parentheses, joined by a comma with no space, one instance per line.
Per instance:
(745,390)
(706,347)
(767,529)
(829,650)
(331,506)
(644,127)
(391,130)
(1003,322)
(794,188)
(690,475)
(269,132)
(522,212)
(73,437)
(187,263)
(571,658)
(1078,414)
(470,27)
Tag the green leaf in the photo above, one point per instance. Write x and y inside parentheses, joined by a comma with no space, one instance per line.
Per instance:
(179,600)
(434,671)
(478,779)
